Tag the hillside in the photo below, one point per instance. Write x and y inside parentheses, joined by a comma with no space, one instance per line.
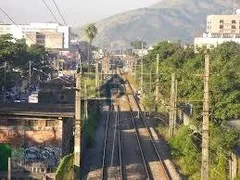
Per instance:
(167,20)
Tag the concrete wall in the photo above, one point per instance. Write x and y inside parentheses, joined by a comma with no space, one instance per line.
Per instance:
(39,146)
(54,40)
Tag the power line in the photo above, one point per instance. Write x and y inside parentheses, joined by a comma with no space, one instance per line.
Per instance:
(59,12)
(50,11)
(8,16)
(14,22)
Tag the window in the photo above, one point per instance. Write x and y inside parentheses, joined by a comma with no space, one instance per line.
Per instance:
(233,21)
(3,123)
(31,123)
(221,21)
(14,122)
(221,27)
(42,170)
(50,123)
(233,27)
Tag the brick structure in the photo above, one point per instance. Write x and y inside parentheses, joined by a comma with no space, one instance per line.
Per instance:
(38,135)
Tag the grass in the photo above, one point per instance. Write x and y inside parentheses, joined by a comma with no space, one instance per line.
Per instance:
(90,125)
(132,81)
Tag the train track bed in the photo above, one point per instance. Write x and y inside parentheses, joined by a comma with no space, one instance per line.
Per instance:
(155,165)
(111,158)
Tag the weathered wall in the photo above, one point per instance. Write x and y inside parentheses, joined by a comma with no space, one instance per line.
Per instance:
(34,144)
(67,136)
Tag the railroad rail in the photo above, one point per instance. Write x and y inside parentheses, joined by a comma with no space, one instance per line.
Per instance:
(163,173)
(112,167)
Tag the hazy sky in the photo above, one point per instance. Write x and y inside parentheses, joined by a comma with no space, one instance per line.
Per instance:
(76,12)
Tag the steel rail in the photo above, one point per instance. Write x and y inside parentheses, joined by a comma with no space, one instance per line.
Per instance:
(167,174)
(137,135)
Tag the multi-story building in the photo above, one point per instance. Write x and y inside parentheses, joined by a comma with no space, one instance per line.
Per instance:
(51,35)
(220,29)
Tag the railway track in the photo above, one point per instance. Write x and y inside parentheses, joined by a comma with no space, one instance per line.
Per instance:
(112,167)
(153,164)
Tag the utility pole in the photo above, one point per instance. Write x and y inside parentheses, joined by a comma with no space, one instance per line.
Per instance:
(4,82)
(101,75)
(150,80)
(30,72)
(96,75)
(142,70)
(77,128)
(173,108)
(86,102)
(157,81)
(9,168)
(205,124)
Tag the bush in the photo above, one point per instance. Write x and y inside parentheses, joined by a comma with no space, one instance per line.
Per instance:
(185,150)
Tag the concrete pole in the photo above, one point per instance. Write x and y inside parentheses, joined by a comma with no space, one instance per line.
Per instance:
(141,81)
(9,168)
(205,124)
(175,106)
(4,82)
(157,81)
(30,73)
(86,102)
(150,80)
(171,112)
(96,75)
(77,129)
(101,76)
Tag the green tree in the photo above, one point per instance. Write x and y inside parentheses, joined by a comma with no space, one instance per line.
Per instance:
(40,59)
(138,44)
(224,99)
(91,32)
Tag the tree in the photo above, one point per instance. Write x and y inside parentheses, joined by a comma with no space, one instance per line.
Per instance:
(224,100)
(138,44)
(91,32)
(40,59)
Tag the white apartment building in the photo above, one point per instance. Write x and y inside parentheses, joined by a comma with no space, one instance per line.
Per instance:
(220,29)
(23,31)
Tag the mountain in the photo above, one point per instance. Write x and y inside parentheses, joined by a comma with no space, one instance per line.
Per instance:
(167,20)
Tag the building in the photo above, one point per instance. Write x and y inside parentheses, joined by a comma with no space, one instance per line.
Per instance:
(220,29)
(57,91)
(51,35)
(38,136)
(140,52)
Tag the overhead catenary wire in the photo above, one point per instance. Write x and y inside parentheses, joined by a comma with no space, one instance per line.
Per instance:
(14,22)
(49,9)
(59,12)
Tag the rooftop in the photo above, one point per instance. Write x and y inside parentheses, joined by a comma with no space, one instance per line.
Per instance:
(37,110)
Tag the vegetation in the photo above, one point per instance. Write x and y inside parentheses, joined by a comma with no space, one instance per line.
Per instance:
(224,100)
(167,19)
(91,32)
(5,153)
(90,125)
(65,168)
(138,44)
(17,56)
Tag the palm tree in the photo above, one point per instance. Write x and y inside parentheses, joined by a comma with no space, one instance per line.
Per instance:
(91,32)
